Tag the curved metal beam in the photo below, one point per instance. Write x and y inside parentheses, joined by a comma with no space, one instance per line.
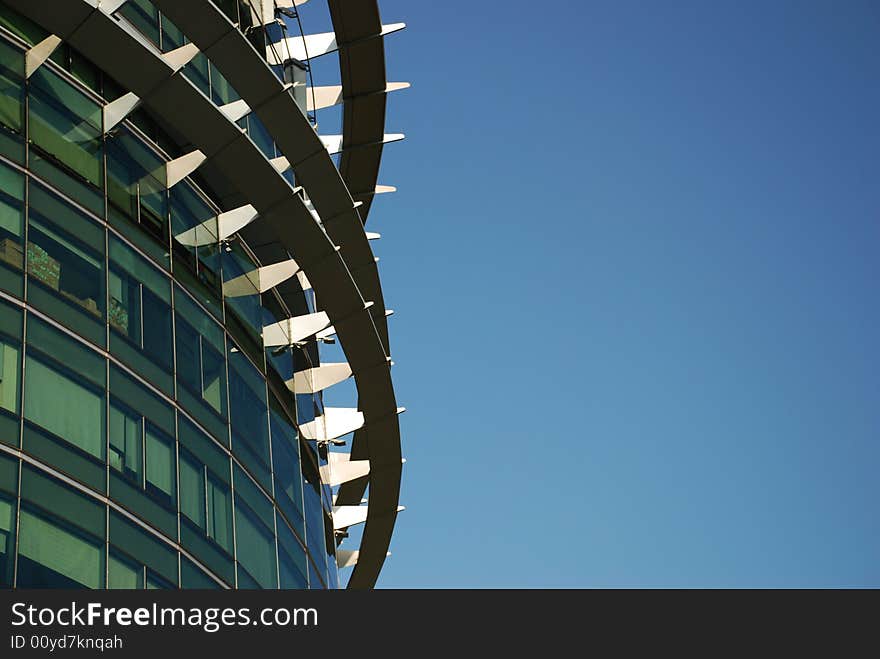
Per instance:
(362,72)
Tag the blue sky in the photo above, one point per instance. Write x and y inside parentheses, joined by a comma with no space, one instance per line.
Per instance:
(634,259)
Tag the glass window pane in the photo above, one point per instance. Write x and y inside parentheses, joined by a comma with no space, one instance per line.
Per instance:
(247,398)
(256,546)
(245,307)
(124,311)
(136,183)
(281,361)
(66,124)
(192,489)
(77,358)
(124,573)
(209,274)
(314,512)
(143,548)
(200,346)
(213,378)
(293,559)
(85,71)
(160,464)
(8,474)
(11,227)
(10,367)
(191,576)
(202,449)
(65,265)
(7,540)
(149,423)
(205,496)
(196,254)
(23,27)
(219,513)
(206,522)
(51,556)
(67,504)
(197,72)
(288,478)
(315,580)
(138,268)
(172,36)
(12,74)
(193,221)
(64,406)
(74,186)
(305,407)
(140,304)
(11,217)
(155,582)
(260,136)
(11,102)
(204,324)
(154,207)
(157,340)
(144,16)
(126,447)
(137,397)
(65,257)
(221,91)
(189,356)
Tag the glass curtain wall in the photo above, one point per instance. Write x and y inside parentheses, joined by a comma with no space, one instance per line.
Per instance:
(121,368)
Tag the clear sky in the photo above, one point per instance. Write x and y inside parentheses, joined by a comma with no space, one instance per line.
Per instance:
(634,260)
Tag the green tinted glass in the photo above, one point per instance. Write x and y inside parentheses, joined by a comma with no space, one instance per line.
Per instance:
(65,406)
(66,124)
(52,556)
(7,540)
(10,367)
(126,448)
(144,16)
(124,573)
(192,489)
(11,215)
(256,547)
(161,463)
(191,576)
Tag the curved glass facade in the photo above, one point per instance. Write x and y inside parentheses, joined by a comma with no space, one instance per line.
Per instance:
(147,439)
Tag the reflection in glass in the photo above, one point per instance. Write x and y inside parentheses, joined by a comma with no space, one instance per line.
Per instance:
(51,555)
(124,573)
(136,183)
(200,364)
(140,304)
(65,130)
(256,546)
(205,500)
(64,405)
(65,253)
(10,366)
(7,540)
(142,453)
(11,228)
(160,477)
(11,102)
(126,431)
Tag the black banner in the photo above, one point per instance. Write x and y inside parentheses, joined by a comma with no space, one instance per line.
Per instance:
(237,623)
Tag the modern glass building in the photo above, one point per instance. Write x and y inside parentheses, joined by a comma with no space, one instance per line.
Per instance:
(178,247)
